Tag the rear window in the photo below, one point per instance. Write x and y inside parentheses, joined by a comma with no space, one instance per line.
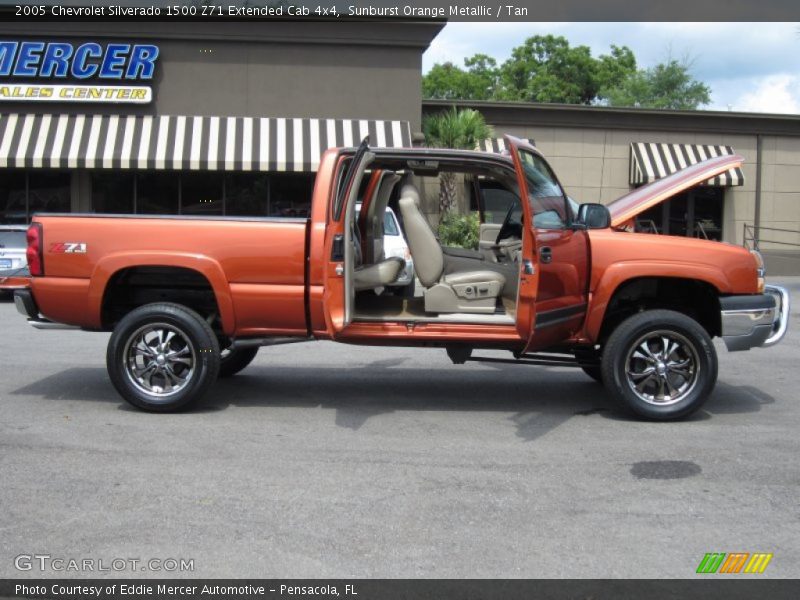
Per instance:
(496,202)
(389,224)
(13,239)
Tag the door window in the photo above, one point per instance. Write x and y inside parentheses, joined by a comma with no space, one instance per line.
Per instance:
(497,200)
(547,201)
(389,224)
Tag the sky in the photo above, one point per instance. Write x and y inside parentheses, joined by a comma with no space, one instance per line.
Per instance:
(750,67)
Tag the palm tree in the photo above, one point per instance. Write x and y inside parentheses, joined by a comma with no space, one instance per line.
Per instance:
(457,129)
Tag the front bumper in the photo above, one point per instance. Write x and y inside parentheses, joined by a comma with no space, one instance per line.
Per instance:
(757,320)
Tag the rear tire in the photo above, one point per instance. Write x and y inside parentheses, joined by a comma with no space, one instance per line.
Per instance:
(163,356)
(660,364)
(233,361)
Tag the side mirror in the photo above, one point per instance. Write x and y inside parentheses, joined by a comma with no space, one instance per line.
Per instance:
(593,216)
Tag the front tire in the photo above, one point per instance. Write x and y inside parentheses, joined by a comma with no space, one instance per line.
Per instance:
(163,356)
(660,364)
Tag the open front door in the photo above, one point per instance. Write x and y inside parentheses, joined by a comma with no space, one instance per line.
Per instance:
(529,267)
(557,292)
(341,241)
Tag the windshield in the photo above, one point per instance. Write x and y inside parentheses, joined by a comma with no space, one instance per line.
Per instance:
(13,239)
(389,224)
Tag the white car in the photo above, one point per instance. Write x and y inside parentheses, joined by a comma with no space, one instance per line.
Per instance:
(13,245)
(394,244)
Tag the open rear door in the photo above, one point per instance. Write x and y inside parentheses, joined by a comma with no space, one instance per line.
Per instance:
(529,267)
(340,240)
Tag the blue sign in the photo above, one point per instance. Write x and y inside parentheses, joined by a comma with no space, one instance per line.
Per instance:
(133,62)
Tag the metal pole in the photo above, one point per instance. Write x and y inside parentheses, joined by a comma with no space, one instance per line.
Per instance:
(757,216)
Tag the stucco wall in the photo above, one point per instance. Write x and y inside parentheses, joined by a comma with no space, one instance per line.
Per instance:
(780,181)
(354,70)
(594,165)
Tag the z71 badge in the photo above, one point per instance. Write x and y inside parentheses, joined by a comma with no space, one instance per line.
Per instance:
(68,248)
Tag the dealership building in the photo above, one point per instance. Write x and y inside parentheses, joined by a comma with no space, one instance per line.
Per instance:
(230,118)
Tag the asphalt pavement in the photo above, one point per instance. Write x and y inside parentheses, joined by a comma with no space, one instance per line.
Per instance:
(323,460)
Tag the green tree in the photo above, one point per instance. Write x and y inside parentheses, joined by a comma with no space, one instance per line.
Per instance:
(668,85)
(615,68)
(446,81)
(543,69)
(450,82)
(458,129)
(547,69)
(483,75)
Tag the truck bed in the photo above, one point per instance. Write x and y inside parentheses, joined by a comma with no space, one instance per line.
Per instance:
(256,266)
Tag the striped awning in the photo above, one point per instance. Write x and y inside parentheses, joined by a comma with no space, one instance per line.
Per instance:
(651,161)
(498,145)
(181,142)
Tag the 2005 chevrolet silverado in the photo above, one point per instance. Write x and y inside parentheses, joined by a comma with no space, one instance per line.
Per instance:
(191,299)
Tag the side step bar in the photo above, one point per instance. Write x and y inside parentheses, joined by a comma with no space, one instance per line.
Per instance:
(269,341)
(546,360)
(461,354)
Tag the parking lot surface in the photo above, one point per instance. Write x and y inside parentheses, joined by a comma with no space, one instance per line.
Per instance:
(324,460)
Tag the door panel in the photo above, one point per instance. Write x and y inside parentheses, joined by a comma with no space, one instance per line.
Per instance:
(562,297)
(562,257)
(339,294)
(529,269)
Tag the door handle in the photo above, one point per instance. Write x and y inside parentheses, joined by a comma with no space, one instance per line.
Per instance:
(545,254)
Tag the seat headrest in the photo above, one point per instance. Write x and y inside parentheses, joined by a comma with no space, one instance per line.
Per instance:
(409,190)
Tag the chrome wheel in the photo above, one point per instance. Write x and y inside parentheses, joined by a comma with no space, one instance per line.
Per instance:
(159,359)
(662,367)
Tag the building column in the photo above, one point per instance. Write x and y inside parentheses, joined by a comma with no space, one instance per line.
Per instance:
(81,192)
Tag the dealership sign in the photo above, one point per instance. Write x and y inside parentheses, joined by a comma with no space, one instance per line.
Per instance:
(64,72)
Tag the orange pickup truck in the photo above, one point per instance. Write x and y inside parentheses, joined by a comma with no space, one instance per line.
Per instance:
(189,299)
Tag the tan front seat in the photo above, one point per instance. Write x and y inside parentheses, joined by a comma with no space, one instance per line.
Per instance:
(381,274)
(371,276)
(375,215)
(465,291)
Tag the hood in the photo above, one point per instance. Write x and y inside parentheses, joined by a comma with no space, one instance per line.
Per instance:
(639,200)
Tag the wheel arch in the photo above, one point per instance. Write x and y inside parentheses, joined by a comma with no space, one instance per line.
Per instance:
(188,276)
(693,295)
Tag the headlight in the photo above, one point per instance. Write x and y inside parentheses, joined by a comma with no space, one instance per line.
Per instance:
(761,271)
